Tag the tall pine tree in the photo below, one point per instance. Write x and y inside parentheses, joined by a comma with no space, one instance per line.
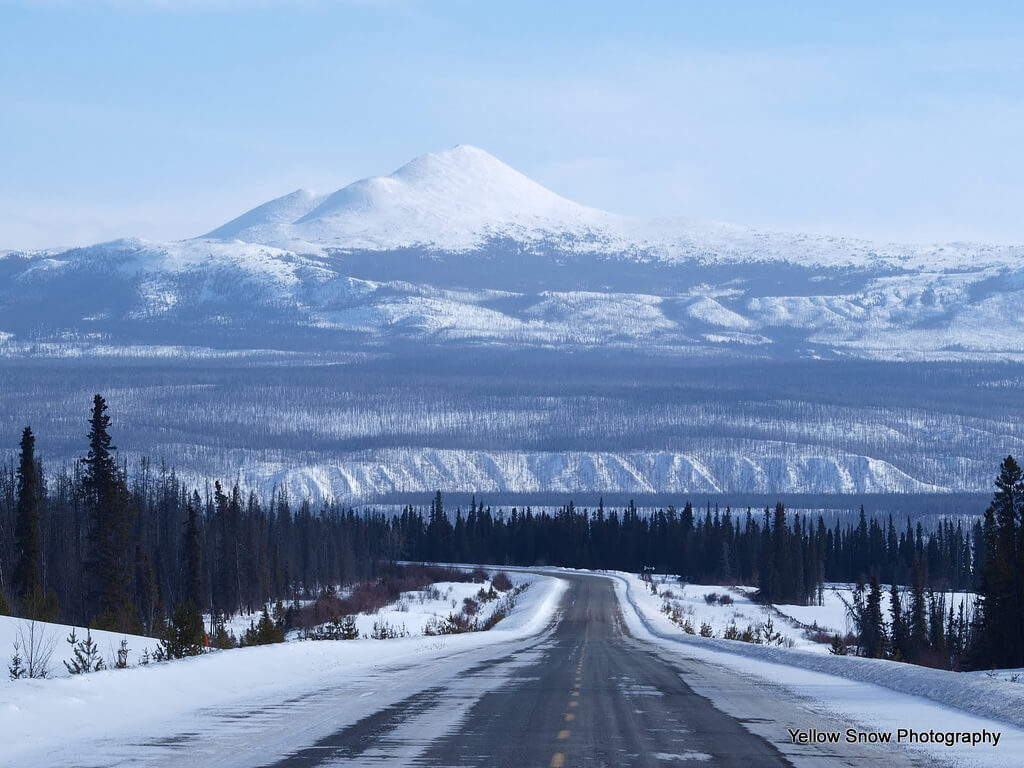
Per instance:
(110,563)
(193,552)
(999,630)
(28,567)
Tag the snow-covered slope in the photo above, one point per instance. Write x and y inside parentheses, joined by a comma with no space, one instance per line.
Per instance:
(458,248)
(450,200)
(462,198)
(268,221)
(564,473)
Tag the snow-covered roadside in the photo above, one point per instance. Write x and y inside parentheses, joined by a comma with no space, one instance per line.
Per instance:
(54,637)
(40,717)
(877,695)
(410,614)
(721,607)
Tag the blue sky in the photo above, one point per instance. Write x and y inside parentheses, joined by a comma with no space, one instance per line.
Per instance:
(164,119)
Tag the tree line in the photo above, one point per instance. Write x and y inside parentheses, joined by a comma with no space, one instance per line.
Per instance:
(87,546)
(91,546)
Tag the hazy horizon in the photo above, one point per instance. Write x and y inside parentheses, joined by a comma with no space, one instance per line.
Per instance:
(162,122)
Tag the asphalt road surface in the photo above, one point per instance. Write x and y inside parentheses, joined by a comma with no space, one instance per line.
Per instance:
(588,694)
(581,693)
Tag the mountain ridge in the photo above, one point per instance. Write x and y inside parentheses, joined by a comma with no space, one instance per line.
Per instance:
(456,248)
(456,200)
(461,258)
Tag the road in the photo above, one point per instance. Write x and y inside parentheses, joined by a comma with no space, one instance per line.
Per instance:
(587,695)
(582,693)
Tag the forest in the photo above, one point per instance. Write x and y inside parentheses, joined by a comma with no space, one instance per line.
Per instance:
(492,421)
(95,545)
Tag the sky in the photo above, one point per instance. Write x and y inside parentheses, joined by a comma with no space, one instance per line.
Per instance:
(162,120)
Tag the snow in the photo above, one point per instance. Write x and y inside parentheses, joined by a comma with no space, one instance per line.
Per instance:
(666,284)
(458,198)
(873,694)
(264,221)
(793,622)
(118,707)
(768,468)
(55,636)
(454,200)
(121,705)
(711,312)
(410,614)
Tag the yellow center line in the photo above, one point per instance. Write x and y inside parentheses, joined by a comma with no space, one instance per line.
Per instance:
(557,760)
(570,716)
(563,734)
(575,693)
(574,703)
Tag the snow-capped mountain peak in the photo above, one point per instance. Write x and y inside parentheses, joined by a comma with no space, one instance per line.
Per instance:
(265,222)
(449,200)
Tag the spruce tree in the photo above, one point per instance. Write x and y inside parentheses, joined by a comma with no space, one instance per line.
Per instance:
(28,574)
(918,619)
(900,646)
(184,635)
(85,655)
(872,629)
(109,565)
(999,621)
(193,550)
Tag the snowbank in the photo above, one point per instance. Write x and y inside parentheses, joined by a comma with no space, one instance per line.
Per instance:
(981,695)
(55,636)
(701,603)
(162,696)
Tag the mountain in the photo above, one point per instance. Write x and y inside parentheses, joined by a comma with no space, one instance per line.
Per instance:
(463,199)
(458,248)
(450,200)
(586,351)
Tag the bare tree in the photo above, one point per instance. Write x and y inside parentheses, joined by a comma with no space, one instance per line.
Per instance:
(33,646)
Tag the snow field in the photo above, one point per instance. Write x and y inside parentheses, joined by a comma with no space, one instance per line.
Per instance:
(873,694)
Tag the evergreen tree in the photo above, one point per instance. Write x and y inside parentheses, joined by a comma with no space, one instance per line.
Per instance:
(918,619)
(999,620)
(193,560)
(85,655)
(872,628)
(110,559)
(28,575)
(16,668)
(936,626)
(900,645)
(184,635)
